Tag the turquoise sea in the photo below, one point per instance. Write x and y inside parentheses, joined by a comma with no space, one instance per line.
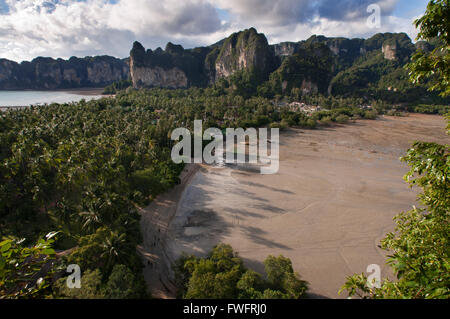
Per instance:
(27,98)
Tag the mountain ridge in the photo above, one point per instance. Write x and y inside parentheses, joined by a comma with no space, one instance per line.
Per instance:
(243,61)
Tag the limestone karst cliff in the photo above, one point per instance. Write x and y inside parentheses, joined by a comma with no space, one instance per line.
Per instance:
(285,48)
(243,61)
(176,67)
(309,69)
(245,50)
(48,73)
(173,67)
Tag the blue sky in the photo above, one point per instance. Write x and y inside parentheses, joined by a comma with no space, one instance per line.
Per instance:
(405,8)
(30,28)
(3,6)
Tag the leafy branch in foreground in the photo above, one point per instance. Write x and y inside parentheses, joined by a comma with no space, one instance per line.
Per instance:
(23,272)
(433,67)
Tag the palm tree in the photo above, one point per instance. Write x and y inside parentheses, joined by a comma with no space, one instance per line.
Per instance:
(91,220)
(115,249)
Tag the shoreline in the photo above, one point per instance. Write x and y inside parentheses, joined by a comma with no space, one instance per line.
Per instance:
(78,91)
(327,209)
(155,223)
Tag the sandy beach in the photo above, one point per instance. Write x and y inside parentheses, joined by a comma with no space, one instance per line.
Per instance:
(13,99)
(85,91)
(327,209)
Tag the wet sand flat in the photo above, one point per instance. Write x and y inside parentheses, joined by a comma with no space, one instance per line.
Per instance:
(327,209)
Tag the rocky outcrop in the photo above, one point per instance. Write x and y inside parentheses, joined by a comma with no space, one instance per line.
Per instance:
(245,50)
(394,46)
(390,51)
(307,66)
(347,51)
(103,72)
(284,49)
(173,78)
(173,67)
(48,73)
(308,71)
(7,69)
(176,67)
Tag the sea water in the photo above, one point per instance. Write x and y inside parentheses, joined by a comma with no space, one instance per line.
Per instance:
(27,98)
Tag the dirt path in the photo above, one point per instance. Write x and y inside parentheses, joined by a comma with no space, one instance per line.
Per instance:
(155,221)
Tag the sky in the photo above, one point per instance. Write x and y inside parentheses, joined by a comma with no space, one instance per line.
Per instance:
(65,28)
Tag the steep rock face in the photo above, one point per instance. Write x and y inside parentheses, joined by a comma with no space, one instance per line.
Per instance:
(380,68)
(245,60)
(285,48)
(48,73)
(6,70)
(210,64)
(103,72)
(390,51)
(173,67)
(393,46)
(246,50)
(345,51)
(70,75)
(176,67)
(309,70)
(158,77)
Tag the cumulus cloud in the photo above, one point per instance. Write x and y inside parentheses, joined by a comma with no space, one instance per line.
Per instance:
(57,28)
(65,28)
(292,12)
(351,10)
(269,12)
(294,20)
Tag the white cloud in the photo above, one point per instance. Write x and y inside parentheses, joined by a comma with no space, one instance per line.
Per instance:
(268,12)
(53,28)
(295,20)
(59,28)
(350,29)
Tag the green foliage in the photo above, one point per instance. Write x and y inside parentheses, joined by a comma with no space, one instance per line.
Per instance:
(80,168)
(342,119)
(104,249)
(281,277)
(91,287)
(370,115)
(430,109)
(25,272)
(433,68)
(223,275)
(122,284)
(309,65)
(117,86)
(216,277)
